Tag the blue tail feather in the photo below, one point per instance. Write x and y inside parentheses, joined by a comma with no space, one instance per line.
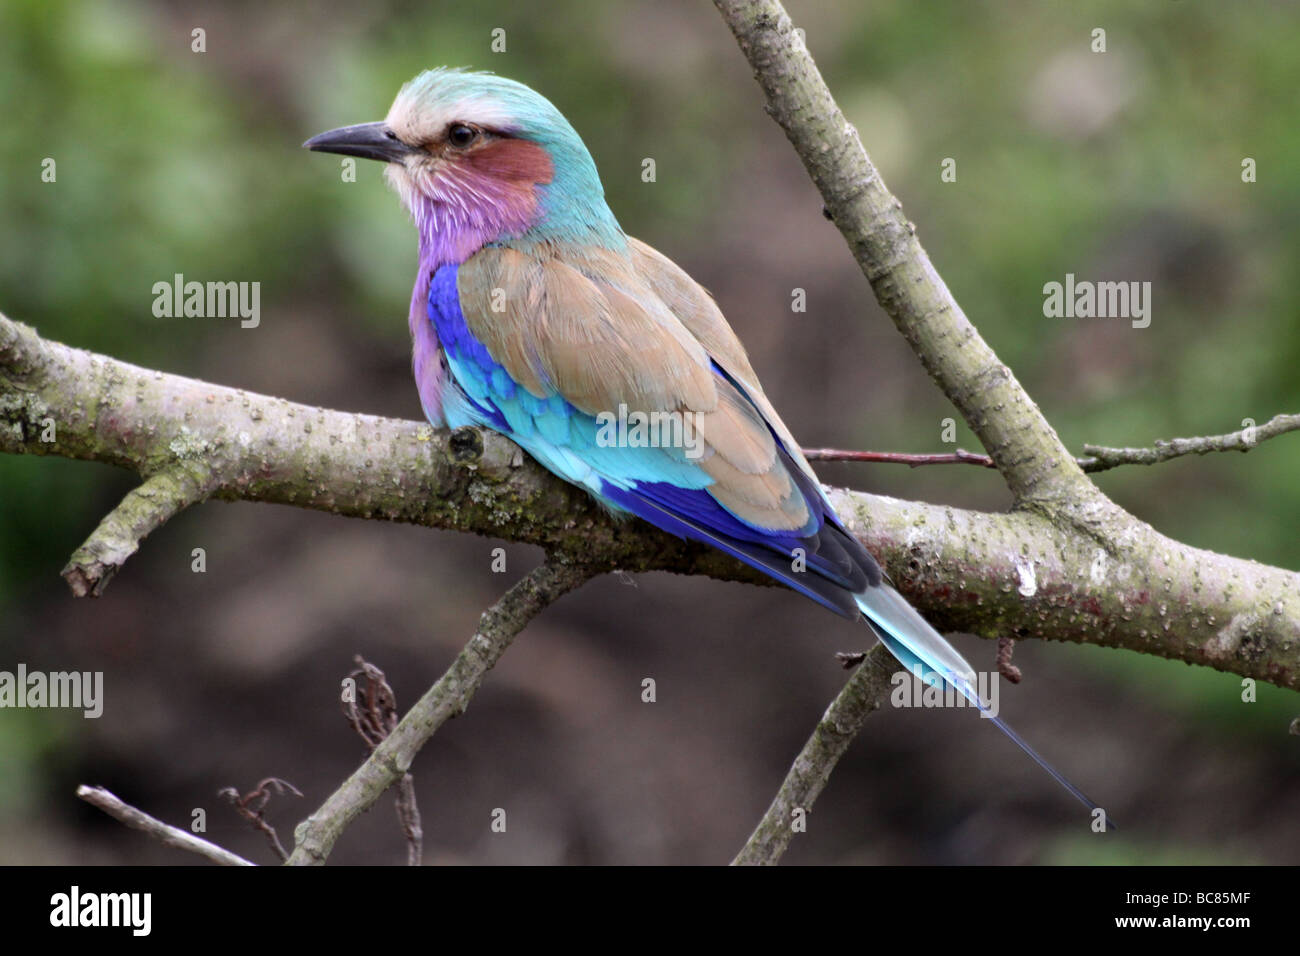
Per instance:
(922,650)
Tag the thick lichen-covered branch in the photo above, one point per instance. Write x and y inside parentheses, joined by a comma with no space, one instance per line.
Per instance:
(57,400)
(1019,574)
(391,758)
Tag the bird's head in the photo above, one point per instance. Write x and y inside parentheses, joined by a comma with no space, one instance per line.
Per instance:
(479,158)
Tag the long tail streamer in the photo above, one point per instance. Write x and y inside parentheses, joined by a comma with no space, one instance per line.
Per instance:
(922,650)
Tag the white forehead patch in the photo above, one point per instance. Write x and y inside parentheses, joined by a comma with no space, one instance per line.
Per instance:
(416,121)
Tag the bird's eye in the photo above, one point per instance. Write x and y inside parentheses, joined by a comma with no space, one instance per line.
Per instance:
(460,135)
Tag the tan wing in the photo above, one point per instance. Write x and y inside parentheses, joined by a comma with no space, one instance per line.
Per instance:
(694,306)
(605,329)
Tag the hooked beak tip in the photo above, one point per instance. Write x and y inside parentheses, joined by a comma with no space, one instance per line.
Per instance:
(367,140)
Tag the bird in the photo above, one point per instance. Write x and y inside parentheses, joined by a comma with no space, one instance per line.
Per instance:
(536,316)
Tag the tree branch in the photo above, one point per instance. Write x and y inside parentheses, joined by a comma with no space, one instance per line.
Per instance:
(1103,571)
(866,692)
(959,457)
(165,833)
(1117,583)
(1026,449)
(163,494)
(391,759)
(1139,573)
(1242,440)
(1098,457)
(259,448)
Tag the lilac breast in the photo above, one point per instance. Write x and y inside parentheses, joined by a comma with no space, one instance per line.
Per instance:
(486,210)
(426,360)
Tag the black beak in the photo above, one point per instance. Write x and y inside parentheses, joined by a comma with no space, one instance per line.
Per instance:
(367,140)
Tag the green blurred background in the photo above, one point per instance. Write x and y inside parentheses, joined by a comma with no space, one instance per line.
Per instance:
(1122,165)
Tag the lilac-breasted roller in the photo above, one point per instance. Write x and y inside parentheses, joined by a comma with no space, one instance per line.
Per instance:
(536,316)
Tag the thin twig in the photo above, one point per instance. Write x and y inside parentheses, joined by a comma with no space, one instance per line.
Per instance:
(1006,647)
(958,457)
(865,692)
(167,834)
(408,818)
(252,805)
(374,721)
(1096,458)
(850,659)
(448,697)
(1243,440)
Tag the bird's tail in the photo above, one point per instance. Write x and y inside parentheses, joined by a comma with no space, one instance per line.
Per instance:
(922,651)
